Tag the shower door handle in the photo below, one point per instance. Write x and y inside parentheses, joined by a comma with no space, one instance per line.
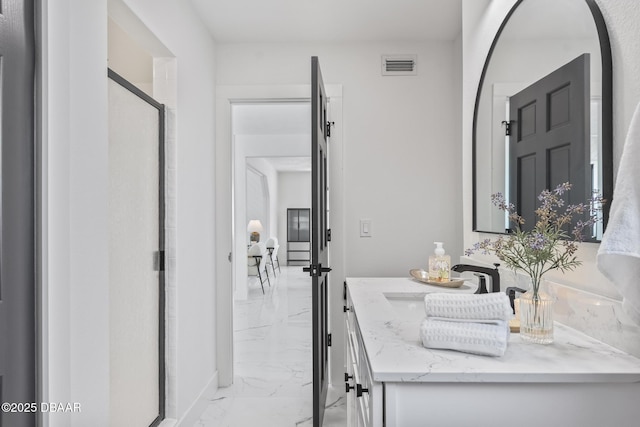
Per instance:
(158,261)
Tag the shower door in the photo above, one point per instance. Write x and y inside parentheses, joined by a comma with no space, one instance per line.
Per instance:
(136,256)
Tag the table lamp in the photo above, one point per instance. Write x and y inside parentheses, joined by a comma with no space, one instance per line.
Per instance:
(255,228)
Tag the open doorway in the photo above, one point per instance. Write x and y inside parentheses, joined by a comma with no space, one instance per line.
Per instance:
(272,330)
(271,141)
(235,238)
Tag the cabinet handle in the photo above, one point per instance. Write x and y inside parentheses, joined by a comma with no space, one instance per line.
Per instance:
(345,308)
(348,387)
(347,377)
(360,390)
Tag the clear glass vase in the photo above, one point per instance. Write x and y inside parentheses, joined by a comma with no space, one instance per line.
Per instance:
(536,317)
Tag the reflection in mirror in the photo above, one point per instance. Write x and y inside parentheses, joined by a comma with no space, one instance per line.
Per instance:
(537,38)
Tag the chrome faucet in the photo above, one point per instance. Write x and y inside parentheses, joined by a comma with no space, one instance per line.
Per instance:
(491,272)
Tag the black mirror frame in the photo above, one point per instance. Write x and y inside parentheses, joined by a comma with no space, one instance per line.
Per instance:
(607,111)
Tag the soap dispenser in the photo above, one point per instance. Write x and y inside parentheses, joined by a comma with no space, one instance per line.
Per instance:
(439,265)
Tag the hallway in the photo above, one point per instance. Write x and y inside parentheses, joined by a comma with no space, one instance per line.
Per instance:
(272,353)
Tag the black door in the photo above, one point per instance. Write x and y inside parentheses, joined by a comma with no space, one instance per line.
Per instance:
(549,142)
(17,212)
(319,244)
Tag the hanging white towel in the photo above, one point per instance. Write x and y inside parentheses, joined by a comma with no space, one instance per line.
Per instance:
(619,253)
(488,338)
(469,307)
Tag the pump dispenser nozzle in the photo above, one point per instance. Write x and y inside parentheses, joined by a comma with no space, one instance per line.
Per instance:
(439,249)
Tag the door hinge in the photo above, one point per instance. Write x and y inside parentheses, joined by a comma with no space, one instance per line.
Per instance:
(507,127)
(329,124)
(328,235)
(328,340)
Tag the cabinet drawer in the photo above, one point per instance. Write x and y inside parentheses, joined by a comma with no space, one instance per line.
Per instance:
(364,400)
(350,314)
(363,375)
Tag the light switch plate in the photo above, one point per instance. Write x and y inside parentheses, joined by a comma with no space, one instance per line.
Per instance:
(366,228)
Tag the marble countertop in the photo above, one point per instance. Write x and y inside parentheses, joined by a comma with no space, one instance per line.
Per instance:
(389,311)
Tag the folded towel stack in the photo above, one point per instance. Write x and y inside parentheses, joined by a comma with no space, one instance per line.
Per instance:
(468,307)
(476,324)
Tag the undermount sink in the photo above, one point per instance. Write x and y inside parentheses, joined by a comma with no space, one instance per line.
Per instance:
(407,306)
(410,305)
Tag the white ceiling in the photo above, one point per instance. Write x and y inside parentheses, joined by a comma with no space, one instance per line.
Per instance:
(275,118)
(331,20)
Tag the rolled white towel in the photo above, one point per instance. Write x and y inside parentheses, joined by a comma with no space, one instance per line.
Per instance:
(489,338)
(471,307)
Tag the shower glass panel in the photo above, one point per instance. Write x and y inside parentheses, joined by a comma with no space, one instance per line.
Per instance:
(136,285)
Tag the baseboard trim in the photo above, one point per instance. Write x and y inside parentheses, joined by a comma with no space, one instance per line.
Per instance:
(192,415)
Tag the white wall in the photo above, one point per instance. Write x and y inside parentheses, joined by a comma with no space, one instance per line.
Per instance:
(294,191)
(271,176)
(75,241)
(481,20)
(74,191)
(401,159)
(127,58)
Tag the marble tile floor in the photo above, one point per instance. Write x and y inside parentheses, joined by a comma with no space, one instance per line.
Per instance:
(272,350)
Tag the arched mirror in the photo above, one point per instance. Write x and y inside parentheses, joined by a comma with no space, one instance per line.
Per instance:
(540,39)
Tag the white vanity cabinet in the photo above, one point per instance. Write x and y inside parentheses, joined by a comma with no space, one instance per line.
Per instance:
(364,396)
(394,381)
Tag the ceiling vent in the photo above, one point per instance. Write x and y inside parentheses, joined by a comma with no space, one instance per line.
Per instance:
(399,65)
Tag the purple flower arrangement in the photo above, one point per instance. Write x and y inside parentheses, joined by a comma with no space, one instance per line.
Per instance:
(552,243)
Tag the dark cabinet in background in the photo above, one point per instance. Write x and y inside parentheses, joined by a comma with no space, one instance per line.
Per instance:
(298,235)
